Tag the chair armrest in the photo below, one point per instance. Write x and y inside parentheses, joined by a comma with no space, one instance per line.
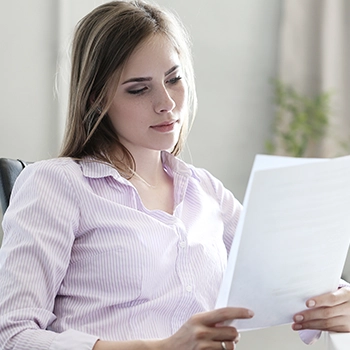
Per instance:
(9,171)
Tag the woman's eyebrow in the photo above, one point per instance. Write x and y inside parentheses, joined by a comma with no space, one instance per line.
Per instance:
(141,79)
(171,70)
(137,80)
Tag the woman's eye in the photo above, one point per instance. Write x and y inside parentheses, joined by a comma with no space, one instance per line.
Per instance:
(138,91)
(174,80)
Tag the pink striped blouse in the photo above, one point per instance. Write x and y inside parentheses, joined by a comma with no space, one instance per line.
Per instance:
(83,259)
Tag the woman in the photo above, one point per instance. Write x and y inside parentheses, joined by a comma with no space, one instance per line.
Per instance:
(118,244)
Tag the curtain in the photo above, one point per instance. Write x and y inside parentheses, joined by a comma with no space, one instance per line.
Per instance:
(314,57)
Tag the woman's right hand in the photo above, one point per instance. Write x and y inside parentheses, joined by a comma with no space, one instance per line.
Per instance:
(207,331)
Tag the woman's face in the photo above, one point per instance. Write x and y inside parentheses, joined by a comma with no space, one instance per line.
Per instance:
(150,103)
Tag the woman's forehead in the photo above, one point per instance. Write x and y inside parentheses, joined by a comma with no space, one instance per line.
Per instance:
(155,53)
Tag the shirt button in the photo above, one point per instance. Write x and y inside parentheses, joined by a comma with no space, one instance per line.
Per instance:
(189,288)
(182,244)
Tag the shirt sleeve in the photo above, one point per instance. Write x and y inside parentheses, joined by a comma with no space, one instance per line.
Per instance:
(39,231)
(230,208)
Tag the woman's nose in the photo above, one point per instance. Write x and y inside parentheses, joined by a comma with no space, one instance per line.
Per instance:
(165,103)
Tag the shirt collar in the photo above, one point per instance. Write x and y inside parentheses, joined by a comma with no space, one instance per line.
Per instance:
(95,169)
(174,165)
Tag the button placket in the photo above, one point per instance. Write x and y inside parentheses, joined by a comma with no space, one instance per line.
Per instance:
(184,268)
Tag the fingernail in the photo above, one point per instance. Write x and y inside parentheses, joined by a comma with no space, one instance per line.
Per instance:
(297,326)
(311,303)
(298,318)
(250,313)
(237,338)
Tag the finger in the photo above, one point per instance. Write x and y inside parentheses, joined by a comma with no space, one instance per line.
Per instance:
(336,324)
(342,328)
(226,333)
(323,313)
(238,338)
(340,296)
(227,345)
(222,315)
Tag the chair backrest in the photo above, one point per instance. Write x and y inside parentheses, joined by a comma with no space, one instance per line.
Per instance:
(9,171)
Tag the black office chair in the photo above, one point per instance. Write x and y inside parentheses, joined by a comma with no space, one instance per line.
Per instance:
(9,170)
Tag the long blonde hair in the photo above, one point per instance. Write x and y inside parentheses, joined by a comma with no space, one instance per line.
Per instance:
(103,41)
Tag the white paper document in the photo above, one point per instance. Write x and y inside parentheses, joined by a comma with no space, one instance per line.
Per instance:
(292,238)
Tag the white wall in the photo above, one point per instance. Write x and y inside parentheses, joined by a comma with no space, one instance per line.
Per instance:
(235,51)
(28,39)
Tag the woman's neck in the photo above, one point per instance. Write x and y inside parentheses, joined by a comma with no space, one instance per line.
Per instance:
(149,169)
(154,185)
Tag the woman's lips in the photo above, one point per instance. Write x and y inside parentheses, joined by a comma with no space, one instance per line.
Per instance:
(165,127)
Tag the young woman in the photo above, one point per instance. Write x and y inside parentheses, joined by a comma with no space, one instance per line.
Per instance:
(118,244)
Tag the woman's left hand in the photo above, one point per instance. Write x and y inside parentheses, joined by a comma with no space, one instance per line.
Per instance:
(327,312)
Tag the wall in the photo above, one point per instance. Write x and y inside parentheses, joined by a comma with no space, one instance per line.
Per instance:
(28,39)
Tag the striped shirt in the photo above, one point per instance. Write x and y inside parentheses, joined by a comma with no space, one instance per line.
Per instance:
(82,258)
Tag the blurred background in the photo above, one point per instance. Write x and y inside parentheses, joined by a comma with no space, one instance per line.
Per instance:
(272,76)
